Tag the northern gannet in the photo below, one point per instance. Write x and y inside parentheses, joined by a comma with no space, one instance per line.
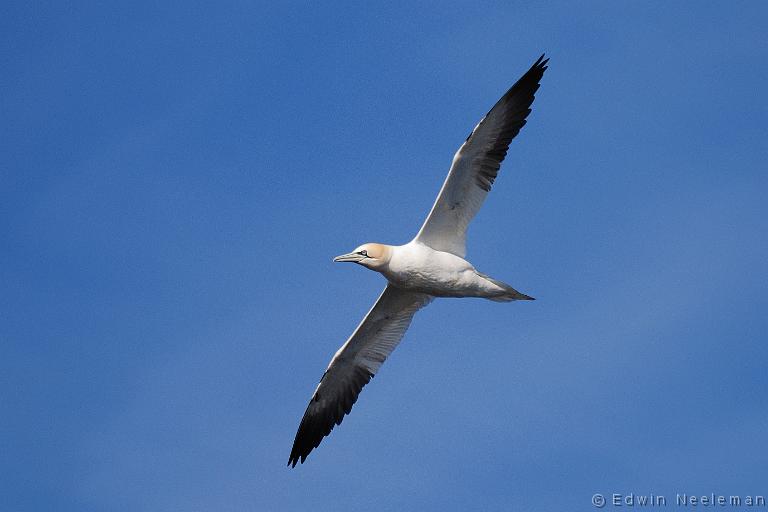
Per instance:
(431,265)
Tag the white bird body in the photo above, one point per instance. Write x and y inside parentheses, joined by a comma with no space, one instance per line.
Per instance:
(419,268)
(431,265)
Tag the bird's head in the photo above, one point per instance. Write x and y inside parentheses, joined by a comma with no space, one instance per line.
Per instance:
(372,256)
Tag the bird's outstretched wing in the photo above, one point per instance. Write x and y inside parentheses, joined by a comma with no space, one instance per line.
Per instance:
(353,366)
(476,165)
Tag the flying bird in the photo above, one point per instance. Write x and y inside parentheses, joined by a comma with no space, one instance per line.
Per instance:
(431,265)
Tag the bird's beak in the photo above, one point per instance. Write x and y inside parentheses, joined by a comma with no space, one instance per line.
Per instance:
(352,257)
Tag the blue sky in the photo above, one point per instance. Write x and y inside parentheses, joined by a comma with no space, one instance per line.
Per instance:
(175,179)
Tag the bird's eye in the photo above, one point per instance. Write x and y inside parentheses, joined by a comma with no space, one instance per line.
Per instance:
(363,253)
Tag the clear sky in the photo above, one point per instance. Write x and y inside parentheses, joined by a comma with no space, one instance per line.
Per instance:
(175,179)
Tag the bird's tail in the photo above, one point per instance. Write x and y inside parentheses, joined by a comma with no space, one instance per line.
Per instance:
(508,294)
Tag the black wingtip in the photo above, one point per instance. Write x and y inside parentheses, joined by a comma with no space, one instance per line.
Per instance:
(293,459)
(298,456)
(541,62)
